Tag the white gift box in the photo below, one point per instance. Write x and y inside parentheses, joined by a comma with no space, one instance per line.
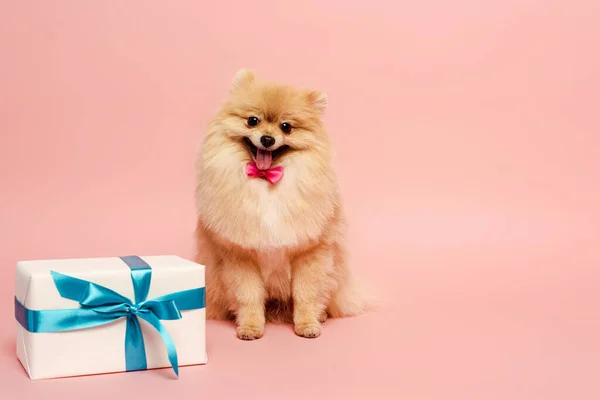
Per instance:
(101,349)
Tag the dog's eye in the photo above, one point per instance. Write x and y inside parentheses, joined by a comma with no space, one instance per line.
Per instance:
(286,127)
(253,121)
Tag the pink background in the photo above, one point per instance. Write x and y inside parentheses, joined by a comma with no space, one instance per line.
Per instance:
(468,145)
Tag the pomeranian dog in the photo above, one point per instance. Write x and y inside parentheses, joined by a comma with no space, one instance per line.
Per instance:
(270,224)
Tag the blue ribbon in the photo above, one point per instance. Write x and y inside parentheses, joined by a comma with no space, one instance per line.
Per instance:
(100,306)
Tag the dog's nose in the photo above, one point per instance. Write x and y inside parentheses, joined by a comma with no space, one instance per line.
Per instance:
(267,141)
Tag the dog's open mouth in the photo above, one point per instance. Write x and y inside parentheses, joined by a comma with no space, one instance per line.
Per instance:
(264,158)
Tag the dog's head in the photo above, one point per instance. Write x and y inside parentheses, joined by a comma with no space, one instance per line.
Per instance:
(271,121)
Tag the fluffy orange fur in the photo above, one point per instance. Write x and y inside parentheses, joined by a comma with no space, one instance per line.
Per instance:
(273,252)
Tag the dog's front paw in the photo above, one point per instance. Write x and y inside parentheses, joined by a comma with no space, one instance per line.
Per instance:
(247,332)
(310,330)
(323,317)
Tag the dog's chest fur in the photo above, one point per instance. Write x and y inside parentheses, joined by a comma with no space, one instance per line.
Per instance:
(255,215)
(272,207)
(280,216)
(276,273)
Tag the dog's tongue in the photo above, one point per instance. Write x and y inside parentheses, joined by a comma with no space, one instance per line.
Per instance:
(263,159)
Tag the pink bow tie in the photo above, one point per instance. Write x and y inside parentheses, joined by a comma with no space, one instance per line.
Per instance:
(273,175)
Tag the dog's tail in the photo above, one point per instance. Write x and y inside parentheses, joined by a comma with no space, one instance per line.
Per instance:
(351,299)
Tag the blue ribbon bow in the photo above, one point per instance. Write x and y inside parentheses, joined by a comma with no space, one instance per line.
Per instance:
(100,306)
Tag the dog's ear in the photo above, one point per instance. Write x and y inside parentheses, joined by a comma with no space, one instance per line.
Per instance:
(243,78)
(318,99)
